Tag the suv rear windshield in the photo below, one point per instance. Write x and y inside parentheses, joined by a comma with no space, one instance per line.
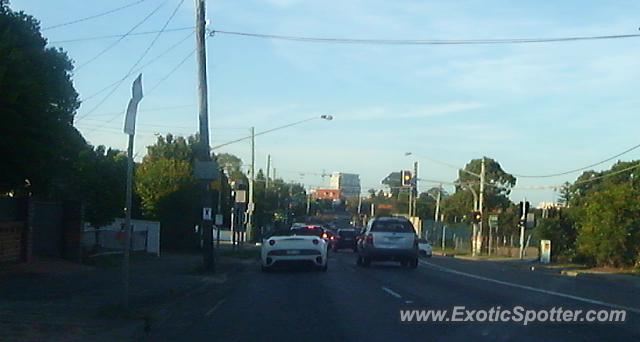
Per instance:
(347,233)
(392,227)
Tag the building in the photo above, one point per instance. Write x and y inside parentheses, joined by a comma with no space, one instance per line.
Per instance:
(326,194)
(348,183)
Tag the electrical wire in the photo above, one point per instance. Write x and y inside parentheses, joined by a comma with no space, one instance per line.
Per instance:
(173,70)
(151,61)
(94,16)
(421,41)
(581,168)
(144,53)
(123,35)
(112,45)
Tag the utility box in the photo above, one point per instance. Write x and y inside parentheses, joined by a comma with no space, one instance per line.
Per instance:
(545,251)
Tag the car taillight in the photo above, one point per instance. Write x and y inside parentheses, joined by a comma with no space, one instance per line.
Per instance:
(368,239)
(315,241)
(272,242)
(324,235)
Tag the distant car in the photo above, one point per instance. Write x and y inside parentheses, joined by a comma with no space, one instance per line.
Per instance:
(299,246)
(424,248)
(345,239)
(388,239)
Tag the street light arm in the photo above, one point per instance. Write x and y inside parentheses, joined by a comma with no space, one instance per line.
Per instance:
(324,117)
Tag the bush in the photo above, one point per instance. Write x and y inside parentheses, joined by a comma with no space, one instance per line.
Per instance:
(561,230)
(609,227)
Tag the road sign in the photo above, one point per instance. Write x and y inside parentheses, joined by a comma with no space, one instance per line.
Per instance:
(241,196)
(531,220)
(219,220)
(493,221)
(206,214)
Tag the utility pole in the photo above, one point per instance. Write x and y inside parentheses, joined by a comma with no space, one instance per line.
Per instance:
(266,183)
(252,179)
(437,213)
(203,118)
(308,203)
(415,188)
(481,204)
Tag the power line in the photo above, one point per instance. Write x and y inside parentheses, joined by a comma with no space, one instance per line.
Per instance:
(93,16)
(144,53)
(421,41)
(175,68)
(122,35)
(112,45)
(151,61)
(581,168)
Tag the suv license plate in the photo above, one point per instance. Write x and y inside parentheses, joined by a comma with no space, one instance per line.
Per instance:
(293,251)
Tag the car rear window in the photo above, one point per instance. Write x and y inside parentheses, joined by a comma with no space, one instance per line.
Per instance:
(347,233)
(392,227)
(309,230)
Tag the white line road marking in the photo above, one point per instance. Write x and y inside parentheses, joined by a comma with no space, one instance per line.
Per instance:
(214,308)
(408,302)
(391,292)
(534,289)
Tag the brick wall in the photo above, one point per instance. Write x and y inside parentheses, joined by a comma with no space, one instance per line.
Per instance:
(11,241)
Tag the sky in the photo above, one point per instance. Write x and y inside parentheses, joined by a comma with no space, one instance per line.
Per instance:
(535,108)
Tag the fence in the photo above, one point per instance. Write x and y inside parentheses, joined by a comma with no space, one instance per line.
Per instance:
(145,237)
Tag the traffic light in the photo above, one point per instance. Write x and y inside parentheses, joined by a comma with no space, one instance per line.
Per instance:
(476,216)
(407,178)
(523,209)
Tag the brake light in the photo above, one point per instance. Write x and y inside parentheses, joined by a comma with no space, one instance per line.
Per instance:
(368,239)
(272,242)
(315,241)
(324,235)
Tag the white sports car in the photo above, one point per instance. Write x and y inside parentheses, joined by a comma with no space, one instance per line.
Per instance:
(300,245)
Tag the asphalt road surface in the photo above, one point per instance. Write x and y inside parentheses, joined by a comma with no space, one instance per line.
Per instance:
(349,303)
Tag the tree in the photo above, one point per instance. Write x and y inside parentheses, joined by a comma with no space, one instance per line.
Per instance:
(561,230)
(100,183)
(39,143)
(169,193)
(609,226)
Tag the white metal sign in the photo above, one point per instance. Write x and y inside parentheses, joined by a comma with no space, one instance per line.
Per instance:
(206,214)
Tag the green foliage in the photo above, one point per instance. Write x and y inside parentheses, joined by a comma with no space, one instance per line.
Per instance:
(561,230)
(100,183)
(38,102)
(609,226)
(158,178)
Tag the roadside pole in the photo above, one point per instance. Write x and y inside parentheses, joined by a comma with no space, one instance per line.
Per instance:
(523,218)
(130,130)
(437,213)
(308,203)
(250,207)
(415,188)
(204,171)
(481,207)
(266,182)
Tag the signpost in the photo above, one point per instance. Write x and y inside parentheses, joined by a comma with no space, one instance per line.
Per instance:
(493,225)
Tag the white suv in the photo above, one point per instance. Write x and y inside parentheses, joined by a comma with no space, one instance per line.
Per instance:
(388,239)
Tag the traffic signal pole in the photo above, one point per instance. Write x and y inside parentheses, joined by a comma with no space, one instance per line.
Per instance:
(523,220)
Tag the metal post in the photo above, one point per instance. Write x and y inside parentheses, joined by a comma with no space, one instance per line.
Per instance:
(481,205)
(203,118)
(250,207)
(437,213)
(308,203)
(415,187)
(444,238)
(523,218)
(266,183)
(127,227)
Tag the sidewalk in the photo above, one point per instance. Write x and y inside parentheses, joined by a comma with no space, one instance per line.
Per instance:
(53,299)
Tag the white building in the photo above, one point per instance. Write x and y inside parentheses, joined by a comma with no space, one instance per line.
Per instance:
(348,183)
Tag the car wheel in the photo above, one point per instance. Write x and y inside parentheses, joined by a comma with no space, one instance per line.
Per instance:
(366,262)
(413,263)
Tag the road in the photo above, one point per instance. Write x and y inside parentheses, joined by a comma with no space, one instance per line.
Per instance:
(350,303)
